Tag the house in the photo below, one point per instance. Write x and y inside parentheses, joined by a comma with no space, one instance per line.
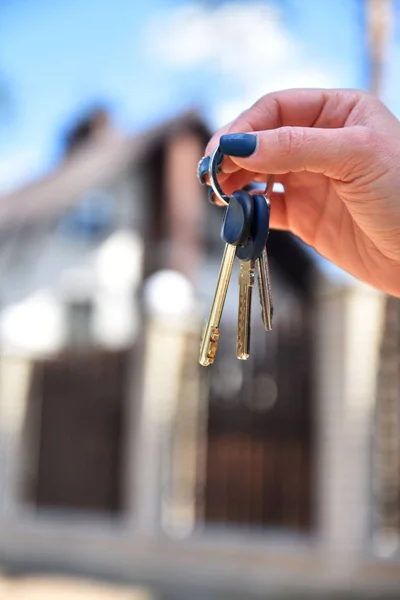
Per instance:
(118,453)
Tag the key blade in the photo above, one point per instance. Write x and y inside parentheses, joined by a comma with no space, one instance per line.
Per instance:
(209,345)
(264,288)
(246,283)
(209,342)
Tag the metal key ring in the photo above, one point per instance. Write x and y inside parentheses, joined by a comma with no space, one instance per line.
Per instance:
(269,186)
(214,163)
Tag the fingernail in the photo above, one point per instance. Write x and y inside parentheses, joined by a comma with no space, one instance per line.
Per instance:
(238,144)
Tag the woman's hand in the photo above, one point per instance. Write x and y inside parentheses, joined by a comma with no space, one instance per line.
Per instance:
(337,154)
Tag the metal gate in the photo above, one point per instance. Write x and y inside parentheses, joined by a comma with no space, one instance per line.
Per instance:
(80,433)
(259,466)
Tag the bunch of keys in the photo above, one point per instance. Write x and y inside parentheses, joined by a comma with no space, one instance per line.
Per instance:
(245,232)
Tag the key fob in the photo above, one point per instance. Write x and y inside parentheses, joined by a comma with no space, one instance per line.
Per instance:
(238,218)
(259,230)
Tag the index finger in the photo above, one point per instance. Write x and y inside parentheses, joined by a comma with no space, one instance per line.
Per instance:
(297,107)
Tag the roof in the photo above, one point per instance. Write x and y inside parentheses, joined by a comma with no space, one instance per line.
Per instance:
(99,161)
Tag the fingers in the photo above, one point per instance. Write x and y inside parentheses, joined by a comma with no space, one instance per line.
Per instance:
(337,153)
(233,182)
(279,218)
(279,213)
(298,107)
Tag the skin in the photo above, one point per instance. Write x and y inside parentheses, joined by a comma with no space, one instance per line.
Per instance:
(337,154)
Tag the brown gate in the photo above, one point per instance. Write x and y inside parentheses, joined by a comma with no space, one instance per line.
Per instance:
(259,467)
(80,433)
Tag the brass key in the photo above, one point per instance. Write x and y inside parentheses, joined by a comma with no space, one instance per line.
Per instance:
(235,231)
(246,283)
(209,342)
(264,289)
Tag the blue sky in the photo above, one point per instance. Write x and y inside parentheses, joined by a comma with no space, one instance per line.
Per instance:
(149,59)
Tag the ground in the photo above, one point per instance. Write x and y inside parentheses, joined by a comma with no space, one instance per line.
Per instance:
(63,588)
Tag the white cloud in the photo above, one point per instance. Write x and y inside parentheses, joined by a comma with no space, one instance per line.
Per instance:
(247,45)
(222,38)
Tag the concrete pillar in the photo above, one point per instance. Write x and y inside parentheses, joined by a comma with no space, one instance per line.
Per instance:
(348,339)
(15,381)
(170,310)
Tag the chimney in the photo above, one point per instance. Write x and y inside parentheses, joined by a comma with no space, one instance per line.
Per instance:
(86,129)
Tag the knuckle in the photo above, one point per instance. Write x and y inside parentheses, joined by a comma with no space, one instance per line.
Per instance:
(361,150)
(268,108)
(290,140)
(368,106)
(365,95)
(369,98)
(260,104)
(365,138)
(244,122)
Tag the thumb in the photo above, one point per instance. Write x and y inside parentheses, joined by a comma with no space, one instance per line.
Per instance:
(335,152)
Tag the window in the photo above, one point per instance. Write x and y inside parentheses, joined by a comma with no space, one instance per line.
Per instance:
(91,218)
(79,324)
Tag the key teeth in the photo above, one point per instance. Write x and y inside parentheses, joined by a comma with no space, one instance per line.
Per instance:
(246,284)
(265,292)
(214,337)
(212,346)
(267,327)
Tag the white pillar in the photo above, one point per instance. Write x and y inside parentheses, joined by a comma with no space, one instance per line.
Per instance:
(348,339)
(170,305)
(15,381)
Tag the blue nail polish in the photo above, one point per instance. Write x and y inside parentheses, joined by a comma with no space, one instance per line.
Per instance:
(238,144)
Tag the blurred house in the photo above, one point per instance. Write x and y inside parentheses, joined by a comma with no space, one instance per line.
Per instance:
(118,453)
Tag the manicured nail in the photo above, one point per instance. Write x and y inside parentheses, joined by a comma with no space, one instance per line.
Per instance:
(238,144)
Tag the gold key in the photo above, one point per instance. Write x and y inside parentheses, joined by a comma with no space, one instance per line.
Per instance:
(264,288)
(209,342)
(246,283)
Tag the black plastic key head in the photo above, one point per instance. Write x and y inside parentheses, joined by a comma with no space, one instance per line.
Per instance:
(257,240)
(238,218)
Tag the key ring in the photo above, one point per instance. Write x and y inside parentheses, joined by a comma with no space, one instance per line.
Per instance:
(215,162)
(210,165)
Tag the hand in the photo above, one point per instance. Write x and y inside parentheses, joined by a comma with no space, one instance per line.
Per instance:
(337,154)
